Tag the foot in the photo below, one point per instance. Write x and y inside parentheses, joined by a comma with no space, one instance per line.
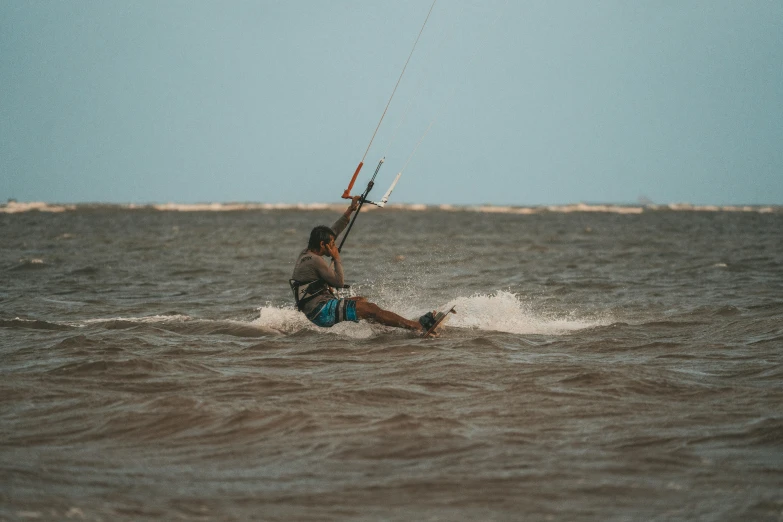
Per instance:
(427,321)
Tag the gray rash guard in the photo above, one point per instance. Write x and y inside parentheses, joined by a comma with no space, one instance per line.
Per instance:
(311,267)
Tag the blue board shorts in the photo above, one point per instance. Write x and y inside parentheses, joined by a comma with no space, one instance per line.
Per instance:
(334,311)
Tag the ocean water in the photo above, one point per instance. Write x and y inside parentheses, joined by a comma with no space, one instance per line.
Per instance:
(605,363)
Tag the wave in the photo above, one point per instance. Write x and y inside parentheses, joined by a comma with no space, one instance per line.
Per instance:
(498,312)
(135,368)
(180,323)
(30,264)
(507,312)
(289,320)
(32,324)
(174,322)
(757,432)
(16,207)
(87,270)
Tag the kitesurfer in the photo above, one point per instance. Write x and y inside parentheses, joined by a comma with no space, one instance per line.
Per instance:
(313,279)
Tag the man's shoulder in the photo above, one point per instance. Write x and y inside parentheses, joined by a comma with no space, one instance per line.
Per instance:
(308,256)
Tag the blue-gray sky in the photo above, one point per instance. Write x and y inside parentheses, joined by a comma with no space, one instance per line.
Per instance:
(537,102)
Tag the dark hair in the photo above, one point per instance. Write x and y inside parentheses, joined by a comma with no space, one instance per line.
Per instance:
(320,233)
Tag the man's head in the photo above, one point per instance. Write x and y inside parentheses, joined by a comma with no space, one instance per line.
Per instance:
(320,234)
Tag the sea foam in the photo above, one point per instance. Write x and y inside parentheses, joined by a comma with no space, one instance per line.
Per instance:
(508,312)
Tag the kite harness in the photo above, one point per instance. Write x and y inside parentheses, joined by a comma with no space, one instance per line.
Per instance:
(306,292)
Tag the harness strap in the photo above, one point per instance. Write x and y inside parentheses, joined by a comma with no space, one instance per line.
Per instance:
(305,292)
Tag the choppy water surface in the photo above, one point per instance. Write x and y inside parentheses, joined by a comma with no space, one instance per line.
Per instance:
(603,366)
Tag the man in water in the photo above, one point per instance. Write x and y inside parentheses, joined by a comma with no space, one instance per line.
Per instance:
(313,280)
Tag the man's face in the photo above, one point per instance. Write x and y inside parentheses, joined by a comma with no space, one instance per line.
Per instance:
(326,247)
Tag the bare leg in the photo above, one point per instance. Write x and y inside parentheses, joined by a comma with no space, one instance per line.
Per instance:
(372,312)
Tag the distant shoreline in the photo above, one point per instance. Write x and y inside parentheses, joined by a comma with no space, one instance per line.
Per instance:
(14,207)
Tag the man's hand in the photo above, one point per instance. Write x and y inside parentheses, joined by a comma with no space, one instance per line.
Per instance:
(354,203)
(333,251)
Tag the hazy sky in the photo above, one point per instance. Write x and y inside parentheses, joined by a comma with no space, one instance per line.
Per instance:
(537,102)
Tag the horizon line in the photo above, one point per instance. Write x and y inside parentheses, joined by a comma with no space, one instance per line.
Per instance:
(14,207)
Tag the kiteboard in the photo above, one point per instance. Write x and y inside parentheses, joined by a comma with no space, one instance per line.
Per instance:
(440,320)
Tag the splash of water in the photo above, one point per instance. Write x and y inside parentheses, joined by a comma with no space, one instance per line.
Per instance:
(500,311)
(507,312)
(289,320)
